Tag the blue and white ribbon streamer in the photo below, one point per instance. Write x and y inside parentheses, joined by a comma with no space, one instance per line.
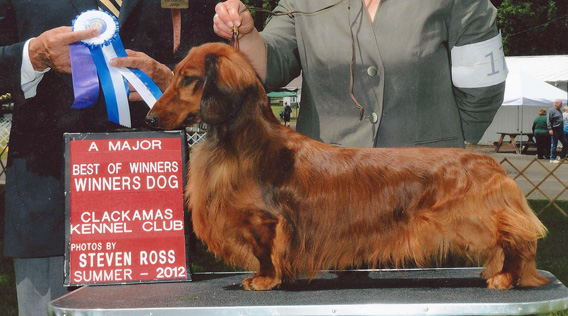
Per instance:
(113,80)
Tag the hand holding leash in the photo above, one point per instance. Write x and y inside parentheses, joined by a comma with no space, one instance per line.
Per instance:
(229,14)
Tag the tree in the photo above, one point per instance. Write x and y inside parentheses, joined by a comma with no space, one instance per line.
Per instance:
(536,27)
(260,17)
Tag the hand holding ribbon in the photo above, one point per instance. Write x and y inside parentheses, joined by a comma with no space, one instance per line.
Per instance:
(101,50)
(160,73)
(51,48)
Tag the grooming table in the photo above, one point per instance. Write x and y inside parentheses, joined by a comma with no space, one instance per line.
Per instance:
(447,291)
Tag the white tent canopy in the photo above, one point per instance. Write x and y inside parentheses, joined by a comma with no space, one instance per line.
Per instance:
(523,89)
(525,94)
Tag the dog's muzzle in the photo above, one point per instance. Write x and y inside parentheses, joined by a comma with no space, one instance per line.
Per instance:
(151,120)
(154,121)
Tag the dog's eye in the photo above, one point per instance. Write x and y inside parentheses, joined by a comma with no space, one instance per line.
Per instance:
(187,80)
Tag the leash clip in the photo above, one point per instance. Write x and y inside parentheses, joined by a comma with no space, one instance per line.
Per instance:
(235,37)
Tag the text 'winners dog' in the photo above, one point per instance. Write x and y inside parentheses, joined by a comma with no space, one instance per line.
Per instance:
(266,198)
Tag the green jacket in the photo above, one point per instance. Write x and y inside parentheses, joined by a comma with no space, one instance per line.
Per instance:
(539,125)
(402,70)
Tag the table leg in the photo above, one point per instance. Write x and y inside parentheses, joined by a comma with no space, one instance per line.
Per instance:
(514,142)
(499,143)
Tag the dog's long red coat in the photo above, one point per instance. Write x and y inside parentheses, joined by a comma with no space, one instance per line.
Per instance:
(266,198)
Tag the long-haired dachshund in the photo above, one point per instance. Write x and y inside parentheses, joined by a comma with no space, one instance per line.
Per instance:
(266,198)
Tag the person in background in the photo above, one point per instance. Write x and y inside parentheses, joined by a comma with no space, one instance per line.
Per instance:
(565,118)
(542,138)
(35,63)
(287,114)
(555,125)
(379,73)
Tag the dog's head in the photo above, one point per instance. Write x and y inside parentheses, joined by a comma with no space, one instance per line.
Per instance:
(209,85)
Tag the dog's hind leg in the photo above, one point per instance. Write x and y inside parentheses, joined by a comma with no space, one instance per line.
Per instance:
(530,276)
(509,275)
(260,234)
(518,231)
(519,269)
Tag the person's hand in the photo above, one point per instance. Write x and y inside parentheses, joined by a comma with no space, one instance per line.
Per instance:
(160,73)
(551,132)
(232,13)
(51,48)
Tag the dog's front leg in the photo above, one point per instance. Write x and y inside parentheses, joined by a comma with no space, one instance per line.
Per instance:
(261,235)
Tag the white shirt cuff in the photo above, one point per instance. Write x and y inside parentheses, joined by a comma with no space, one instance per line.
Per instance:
(30,78)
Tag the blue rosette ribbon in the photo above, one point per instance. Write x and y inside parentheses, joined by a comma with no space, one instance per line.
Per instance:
(90,65)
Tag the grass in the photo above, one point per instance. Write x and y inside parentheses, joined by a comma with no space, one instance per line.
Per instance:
(8,302)
(552,256)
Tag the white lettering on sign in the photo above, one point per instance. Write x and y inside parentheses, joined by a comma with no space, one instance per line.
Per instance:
(90,246)
(170,272)
(152,144)
(107,184)
(127,215)
(157,257)
(102,228)
(162,226)
(154,167)
(105,259)
(161,182)
(85,169)
(102,275)
(93,147)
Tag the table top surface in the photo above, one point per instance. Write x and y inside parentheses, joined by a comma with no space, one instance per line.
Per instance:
(450,291)
(515,133)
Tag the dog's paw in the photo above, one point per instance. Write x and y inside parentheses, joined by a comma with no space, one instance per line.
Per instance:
(501,281)
(260,283)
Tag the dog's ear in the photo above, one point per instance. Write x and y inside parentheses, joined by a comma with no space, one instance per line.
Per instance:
(220,101)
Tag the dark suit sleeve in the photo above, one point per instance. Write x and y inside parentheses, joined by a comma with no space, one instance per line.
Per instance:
(10,51)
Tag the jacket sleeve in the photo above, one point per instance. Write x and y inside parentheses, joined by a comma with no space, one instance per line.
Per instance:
(10,51)
(283,61)
(470,23)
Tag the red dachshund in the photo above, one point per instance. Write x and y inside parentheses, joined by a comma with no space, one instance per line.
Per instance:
(266,198)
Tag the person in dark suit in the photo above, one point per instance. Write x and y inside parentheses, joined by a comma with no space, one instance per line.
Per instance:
(36,34)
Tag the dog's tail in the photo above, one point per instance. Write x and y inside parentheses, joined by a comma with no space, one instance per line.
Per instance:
(518,230)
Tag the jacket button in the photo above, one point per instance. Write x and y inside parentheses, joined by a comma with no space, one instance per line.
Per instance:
(373,118)
(372,71)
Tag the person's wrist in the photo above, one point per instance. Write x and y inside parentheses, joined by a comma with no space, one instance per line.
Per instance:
(166,78)
(36,57)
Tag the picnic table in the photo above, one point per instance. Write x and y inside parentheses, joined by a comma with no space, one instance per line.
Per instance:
(520,146)
(440,291)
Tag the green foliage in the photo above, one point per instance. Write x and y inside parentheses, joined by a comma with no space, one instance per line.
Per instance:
(260,18)
(8,300)
(552,253)
(536,27)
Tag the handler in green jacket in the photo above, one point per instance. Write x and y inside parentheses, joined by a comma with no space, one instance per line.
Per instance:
(425,73)
(541,136)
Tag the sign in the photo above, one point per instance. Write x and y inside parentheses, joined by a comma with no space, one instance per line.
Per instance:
(125,208)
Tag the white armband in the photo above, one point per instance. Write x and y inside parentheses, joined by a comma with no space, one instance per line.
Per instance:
(480,64)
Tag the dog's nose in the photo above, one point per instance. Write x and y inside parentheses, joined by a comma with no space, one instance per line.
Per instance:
(151,120)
